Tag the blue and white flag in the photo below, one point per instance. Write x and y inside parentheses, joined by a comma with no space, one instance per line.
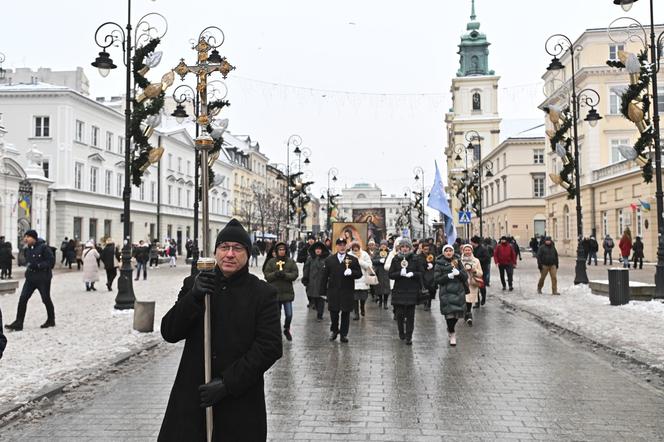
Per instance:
(438,201)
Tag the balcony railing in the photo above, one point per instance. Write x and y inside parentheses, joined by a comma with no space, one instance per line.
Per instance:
(614,169)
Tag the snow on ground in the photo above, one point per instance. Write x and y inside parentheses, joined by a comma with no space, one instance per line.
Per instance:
(89,333)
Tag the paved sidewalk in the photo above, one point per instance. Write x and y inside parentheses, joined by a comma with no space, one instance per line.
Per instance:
(508,379)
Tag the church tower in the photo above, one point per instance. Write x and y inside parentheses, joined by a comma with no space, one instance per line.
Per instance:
(474,107)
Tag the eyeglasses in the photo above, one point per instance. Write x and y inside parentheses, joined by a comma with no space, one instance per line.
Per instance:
(225,248)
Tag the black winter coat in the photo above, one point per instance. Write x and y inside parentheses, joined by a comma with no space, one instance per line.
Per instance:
(452,291)
(246,339)
(383,288)
(406,290)
(547,256)
(109,256)
(427,275)
(339,289)
(638,249)
(39,261)
(6,255)
(313,271)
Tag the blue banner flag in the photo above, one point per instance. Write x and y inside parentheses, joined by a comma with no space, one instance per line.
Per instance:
(438,201)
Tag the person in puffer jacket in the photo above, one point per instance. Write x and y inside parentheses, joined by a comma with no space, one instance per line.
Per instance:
(452,279)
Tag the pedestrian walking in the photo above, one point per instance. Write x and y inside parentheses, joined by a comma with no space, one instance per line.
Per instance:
(515,246)
(534,245)
(312,274)
(547,263)
(38,274)
(473,269)
(110,257)
(585,246)
(593,248)
(428,263)
(79,254)
(505,257)
(637,256)
(6,259)
(153,254)
(172,254)
(303,251)
(338,285)
(246,342)
(490,245)
(452,280)
(361,286)
(406,270)
(90,266)
(63,249)
(482,253)
(625,246)
(255,251)
(371,250)
(280,272)
(71,253)
(293,249)
(141,254)
(608,245)
(382,290)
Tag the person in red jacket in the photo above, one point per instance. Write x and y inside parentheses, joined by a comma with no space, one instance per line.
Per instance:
(625,246)
(505,257)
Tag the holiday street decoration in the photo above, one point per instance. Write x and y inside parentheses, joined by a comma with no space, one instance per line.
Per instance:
(636,100)
(561,144)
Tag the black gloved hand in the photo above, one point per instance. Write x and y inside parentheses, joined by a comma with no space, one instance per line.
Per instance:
(280,274)
(212,392)
(204,283)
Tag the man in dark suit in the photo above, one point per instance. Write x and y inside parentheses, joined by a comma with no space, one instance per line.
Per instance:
(338,284)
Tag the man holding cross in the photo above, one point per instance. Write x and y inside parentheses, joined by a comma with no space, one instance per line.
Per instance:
(338,284)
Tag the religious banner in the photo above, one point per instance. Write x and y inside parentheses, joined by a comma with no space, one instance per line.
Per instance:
(350,232)
(375,219)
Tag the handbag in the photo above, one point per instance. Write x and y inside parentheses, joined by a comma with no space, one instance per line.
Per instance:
(370,278)
(479,281)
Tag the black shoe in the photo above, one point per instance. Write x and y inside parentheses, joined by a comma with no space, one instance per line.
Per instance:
(289,337)
(469,321)
(402,336)
(93,288)
(344,339)
(476,305)
(511,289)
(14,326)
(87,289)
(409,341)
(362,312)
(333,336)
(110,289)
(504,288)
(48,323)
(385,306)
(356,317)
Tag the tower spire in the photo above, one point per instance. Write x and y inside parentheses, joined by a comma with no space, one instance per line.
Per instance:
(472,11)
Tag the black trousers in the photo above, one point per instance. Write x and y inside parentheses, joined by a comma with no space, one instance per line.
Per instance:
(110,275)
(41,283)
(451,323)
(608,253)
(345,322)
(319,303)
(154,261)
(506,268)
(405,317)
(639,261)
(7,271)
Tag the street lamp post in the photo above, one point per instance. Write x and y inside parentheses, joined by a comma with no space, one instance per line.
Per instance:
(471,136)
(106,35)
(656,53)
(465,178)
(331,172)
(419,175)
(557,45)
(306,153)
(293,140)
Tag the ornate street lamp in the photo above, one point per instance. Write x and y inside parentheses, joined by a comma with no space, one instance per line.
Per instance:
(331,175)
(643,71)
(140,57)
(562,120)
(293,140)
(419,177)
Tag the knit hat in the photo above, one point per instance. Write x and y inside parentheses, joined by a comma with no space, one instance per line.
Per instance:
(405,242)
(463,247)
(384,242)
(31,233)
(355,244)
(448,246)
(234,232)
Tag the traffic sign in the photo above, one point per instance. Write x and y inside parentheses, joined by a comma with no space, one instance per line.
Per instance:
(464,217)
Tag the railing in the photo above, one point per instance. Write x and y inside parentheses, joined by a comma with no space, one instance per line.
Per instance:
(614,169)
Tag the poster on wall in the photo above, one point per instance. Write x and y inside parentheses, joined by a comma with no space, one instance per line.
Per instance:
(351,232)
(375,220)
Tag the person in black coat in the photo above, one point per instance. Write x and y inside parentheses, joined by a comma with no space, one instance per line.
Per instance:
(637,256)
(246,340)
(407,271)
(110,256)
(338,285)
(481,252)
(6,257)
(428,261)
(39,262)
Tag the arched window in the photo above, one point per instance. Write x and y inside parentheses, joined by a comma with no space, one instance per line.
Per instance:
(361,196)
(475,64)
(477,101)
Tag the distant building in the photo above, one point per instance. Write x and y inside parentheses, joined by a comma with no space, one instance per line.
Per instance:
(74,80)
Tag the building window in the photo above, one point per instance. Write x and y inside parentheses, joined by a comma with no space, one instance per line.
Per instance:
(78,227)
(639,222)
(497,191)
(179,164)
(180,197)
(621,223)
(153,191)
(169,195)
(605,223)
(94,136)
(613,51)
(504,188)
(94,176)
(121,145)
(615,100)
(108,179)
(141,191)
(616,157)
(170,161)
(80,131)
(42,127)
(538,187)
(107,228)
(78,176)
(45,168)
(120,184)
(188,167)
(497,164)
(477,101)
(538,156)
(567,220)
(92,229)
(188,198)
(109,141)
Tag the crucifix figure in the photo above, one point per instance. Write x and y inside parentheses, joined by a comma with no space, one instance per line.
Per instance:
(280,264)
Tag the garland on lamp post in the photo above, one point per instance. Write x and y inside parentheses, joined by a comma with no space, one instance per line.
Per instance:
(561,144)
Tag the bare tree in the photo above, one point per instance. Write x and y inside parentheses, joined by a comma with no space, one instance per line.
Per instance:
(247,214)
(262,202)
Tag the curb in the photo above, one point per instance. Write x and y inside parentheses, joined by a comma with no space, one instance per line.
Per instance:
(620,352)
(52,390)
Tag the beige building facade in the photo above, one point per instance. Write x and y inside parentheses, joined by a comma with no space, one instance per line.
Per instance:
(613,194)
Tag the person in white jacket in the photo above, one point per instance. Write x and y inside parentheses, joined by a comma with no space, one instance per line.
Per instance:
(361,286)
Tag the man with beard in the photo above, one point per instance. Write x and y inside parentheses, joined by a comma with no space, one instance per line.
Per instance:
(280,272)
(246,342)
(338,285)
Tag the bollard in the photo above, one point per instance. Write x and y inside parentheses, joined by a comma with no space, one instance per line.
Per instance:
(618,286)
(144,316)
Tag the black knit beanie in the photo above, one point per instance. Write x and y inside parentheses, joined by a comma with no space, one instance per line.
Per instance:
(234,232)
(31,233)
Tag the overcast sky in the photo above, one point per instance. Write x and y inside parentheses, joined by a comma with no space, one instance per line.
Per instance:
(364,82)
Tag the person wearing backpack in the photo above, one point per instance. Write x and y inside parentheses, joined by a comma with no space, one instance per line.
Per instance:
(608,245)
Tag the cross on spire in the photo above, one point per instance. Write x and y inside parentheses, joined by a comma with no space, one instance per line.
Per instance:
(472,11)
